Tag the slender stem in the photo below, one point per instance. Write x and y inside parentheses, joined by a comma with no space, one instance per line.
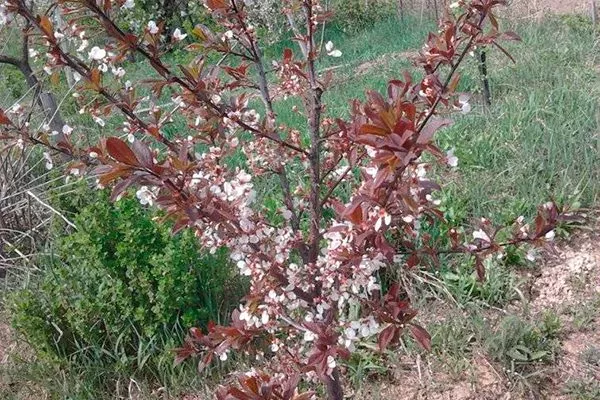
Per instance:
(334,385)
(257,58)
(449,77)
(314,108)
(339,181)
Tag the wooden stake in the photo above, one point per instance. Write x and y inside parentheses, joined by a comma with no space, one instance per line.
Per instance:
(487,95)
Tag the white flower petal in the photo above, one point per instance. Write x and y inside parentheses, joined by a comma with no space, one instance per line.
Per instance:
(335,53)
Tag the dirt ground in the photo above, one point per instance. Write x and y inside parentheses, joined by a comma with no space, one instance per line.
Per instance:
(567,283)
(5,343)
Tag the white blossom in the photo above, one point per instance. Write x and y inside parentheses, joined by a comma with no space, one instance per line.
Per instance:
(480,234)
(331,50)
(287,214)
(119,72)
(145,196)
(384,219)
(451,159)
(98,120)
(309,336)
(129,4)
(331,362)
(48,159)
(5,17)
(531,255)
(66,129)
(152,27)
(264,318)
(97,53)
(178,36)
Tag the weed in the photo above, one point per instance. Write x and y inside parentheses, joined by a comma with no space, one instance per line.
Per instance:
(591,356)
(584,314)
(364,365)
(496,290)
(519,344)
(119,293)
(452,340)
(583,389)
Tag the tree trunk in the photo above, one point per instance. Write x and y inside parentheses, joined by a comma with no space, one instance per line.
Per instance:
(60,23)
(45,100)
(333,385)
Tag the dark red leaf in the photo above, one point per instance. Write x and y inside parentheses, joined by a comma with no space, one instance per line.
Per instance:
(143,153)
(480,269)
(431,128)
(216,4)
(4,120)
(46,26)
(119,150)
(386,337)
(421,336)
(368,129)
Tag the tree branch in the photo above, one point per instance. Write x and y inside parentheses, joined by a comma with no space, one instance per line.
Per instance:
(167,74)
(10,60)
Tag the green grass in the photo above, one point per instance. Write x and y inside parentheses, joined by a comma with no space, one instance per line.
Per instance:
(538,141)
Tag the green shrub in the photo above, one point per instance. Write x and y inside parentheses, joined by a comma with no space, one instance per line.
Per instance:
(355,15)
(120,285)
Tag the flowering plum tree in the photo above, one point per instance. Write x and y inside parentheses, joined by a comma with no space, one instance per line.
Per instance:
(354,192)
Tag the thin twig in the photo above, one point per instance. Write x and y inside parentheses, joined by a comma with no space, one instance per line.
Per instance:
(55,211)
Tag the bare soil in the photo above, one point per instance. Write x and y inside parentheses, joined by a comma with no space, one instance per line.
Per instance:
(567,283)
